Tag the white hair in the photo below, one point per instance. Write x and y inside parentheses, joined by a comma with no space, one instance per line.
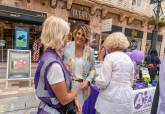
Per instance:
(116,41)
(53,32)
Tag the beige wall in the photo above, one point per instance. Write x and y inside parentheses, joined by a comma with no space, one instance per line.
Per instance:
(95,20)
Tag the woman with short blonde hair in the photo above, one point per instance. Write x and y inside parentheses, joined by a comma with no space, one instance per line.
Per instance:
(116,41)
(115,96)
(53,33)
(52,80)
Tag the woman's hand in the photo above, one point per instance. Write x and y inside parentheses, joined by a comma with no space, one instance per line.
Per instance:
(84,85)
(78,107)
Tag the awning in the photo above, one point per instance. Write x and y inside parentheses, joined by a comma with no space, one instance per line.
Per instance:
(23,15)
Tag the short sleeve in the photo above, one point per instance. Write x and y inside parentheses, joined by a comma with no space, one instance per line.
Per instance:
(55,74)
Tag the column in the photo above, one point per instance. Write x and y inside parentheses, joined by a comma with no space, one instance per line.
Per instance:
(123,23)
(144,39)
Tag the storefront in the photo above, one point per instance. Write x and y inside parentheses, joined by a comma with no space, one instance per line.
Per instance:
(78,15)
(135,38)
(19,29)
(114,28)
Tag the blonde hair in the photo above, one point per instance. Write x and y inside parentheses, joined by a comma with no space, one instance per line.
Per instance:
(53,32)
(116,41)
(86,30)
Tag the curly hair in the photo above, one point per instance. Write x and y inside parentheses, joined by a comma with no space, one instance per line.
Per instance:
(116,41)
(86,30)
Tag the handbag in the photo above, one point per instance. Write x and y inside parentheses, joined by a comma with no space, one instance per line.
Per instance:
(70,108)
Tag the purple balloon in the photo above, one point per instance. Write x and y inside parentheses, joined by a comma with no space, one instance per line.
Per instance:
(137,56)
(129,53)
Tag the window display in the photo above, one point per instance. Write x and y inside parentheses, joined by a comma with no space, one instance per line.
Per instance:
(18,36)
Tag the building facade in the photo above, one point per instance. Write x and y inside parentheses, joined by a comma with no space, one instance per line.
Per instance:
(128,16)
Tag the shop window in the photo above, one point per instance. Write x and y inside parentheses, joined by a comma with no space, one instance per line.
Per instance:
(136,3)
(7,36)
(135,43)
(114,29)
(134,36)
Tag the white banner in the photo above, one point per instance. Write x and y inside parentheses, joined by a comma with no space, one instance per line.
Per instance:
(106,25)
(142,100)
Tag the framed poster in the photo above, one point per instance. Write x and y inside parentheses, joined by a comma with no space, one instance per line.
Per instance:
(18,64)
(21,38)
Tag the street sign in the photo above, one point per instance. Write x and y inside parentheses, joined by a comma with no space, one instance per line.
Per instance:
(106,25)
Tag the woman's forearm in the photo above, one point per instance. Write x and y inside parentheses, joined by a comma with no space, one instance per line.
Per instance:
(60,90)
(68,98)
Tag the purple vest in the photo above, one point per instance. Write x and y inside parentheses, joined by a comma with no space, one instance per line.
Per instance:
(43,88)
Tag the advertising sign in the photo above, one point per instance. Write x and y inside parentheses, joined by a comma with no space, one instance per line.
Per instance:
(143,100)
(18,64)
(106,25)
(21,38)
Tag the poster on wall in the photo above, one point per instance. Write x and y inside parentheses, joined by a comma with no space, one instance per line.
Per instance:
(18,64)
(21,38)
(106,25)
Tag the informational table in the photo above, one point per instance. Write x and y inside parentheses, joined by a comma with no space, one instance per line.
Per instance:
(142,100)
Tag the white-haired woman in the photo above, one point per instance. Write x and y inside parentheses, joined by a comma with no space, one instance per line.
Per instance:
(115,96)
(52,80)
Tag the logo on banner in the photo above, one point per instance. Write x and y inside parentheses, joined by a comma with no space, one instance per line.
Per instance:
(142,99)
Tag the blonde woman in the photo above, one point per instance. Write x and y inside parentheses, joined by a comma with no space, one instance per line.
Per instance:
(115,96)
(79,59)
(52,80)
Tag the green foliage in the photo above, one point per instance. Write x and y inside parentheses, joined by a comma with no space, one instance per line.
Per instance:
(161,21)
(143,64)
